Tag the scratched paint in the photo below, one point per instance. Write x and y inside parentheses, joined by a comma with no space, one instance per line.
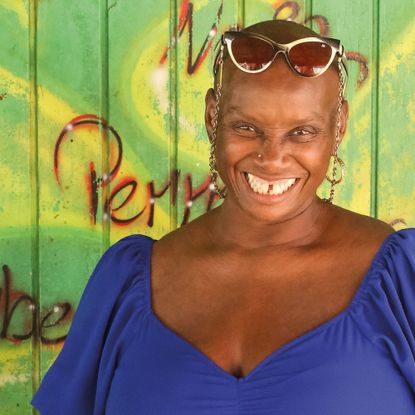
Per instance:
(102,135)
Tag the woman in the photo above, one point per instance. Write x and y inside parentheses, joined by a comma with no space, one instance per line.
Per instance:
(275,302)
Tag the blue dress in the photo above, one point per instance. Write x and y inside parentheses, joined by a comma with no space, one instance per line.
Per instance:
(120,359)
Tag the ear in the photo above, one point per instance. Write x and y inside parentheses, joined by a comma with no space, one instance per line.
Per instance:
(210,107)
(344,117)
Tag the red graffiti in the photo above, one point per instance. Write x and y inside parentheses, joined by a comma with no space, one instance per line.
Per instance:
(11,300)
(322,22)
(93,183)
(186,19)
(363,66)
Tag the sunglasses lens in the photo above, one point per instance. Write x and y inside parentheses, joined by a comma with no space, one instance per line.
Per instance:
(310,58)
(251,53)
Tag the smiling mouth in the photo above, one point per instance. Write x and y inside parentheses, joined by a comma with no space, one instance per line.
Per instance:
(265,187)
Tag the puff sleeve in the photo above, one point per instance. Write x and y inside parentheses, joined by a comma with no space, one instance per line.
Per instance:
(387,312)
(78,381)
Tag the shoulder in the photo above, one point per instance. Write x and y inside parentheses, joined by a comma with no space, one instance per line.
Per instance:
(133,239)
(113,268)
(136,243)
(355,239)
(359,229)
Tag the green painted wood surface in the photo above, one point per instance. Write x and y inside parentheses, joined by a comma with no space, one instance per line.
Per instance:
(91,90)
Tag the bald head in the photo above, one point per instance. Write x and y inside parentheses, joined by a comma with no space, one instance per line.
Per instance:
(279,89)
(281,31)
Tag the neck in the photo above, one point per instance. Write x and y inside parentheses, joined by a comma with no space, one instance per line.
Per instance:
(234,227)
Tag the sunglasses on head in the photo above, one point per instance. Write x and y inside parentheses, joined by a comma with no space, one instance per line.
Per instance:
(308,57)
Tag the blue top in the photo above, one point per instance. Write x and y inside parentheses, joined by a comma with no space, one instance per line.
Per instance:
(119,358)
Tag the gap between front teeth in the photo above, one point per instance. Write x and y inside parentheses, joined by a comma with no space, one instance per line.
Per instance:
(262,186)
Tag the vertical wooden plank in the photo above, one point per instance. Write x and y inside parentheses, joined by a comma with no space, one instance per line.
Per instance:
(17,303)
(351,22)
(34,193)
(200,24)
(141,111)
(70,160)
(396,180)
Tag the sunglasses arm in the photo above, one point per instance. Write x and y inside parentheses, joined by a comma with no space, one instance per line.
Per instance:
(220,66)
(343,67)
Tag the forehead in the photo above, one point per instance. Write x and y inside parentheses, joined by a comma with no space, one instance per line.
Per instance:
(279,90)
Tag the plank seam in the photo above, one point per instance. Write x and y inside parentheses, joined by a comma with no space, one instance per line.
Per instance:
(173,103)
(375,110)
(34,194)
(104,113)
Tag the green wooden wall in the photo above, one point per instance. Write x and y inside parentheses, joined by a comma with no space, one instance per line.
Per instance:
(102,135)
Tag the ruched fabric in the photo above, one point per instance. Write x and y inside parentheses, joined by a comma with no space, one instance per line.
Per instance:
(120,359)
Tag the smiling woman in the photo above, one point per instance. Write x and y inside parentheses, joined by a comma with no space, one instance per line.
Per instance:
(275,302)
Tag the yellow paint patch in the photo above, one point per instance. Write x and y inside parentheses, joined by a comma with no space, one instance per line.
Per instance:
(404,47)
(362,124)
(11,378)
(50,106)
(18,7)
(411,114)
(12,356)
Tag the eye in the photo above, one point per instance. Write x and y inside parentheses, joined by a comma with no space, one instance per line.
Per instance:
(301,131)
(303,134)
(246,130)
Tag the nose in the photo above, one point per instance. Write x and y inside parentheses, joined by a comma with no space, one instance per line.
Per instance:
(272,152)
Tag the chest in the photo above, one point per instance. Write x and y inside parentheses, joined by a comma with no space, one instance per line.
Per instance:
(237,312)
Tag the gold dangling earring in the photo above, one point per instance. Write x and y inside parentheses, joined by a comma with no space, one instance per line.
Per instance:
(212,158)
(213,171)
(333,181)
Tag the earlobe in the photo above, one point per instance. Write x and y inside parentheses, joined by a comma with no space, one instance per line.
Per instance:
(344,116)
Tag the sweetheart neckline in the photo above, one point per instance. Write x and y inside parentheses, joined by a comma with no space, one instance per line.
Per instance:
(276,352)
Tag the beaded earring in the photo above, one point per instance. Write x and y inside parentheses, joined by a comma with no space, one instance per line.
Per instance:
(337,160)
(212,159)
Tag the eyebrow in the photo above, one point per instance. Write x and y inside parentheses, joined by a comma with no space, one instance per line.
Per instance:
(236,108)
(312,115)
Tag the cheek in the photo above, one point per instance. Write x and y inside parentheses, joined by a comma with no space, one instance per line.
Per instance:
(231,150)
(317,160)
(312,158)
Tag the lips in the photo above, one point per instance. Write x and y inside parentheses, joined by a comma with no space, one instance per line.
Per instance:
(266,187)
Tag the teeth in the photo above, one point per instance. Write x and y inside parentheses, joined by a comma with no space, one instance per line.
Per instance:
(261,186)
